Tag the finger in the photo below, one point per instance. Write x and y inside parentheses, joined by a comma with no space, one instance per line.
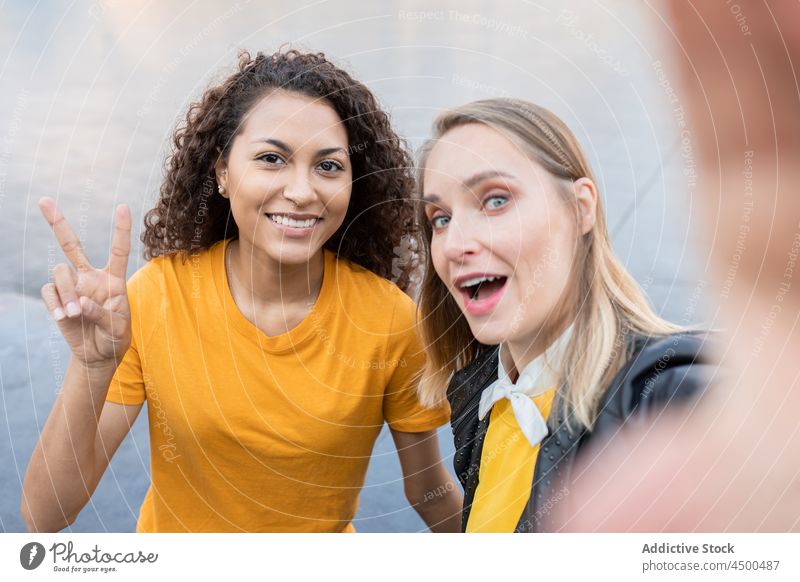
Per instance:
(110,322)
(69,242)
(64,279)
(52,302)
(121,242)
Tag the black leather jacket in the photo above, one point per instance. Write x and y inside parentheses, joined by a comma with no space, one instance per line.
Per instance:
(658,372)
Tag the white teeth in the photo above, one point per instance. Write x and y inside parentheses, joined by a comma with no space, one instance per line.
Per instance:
(476,280)
(291,222)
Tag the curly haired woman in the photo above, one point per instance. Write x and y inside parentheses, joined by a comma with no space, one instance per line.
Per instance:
(263,332)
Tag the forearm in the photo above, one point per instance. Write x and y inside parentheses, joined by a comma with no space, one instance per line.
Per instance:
(63,470)
(441,503)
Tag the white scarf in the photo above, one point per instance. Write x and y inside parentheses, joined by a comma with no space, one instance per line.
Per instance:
(535,379)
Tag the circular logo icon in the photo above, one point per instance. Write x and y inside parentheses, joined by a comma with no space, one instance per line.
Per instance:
(31,555)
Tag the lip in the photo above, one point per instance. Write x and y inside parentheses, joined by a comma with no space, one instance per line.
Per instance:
(291,231)
(479,307)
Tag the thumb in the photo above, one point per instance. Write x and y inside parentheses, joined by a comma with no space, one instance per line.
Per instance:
(111,323)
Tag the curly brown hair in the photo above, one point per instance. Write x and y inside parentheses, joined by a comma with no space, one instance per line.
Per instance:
(380,217)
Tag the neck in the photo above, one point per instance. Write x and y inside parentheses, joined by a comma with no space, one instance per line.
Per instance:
(521,352)
(264,281)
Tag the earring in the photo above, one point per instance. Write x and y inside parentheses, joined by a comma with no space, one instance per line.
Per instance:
(220,187)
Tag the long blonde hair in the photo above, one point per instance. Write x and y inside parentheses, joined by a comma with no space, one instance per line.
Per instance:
(610,304)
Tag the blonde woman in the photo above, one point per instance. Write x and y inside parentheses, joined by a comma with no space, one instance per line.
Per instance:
(538,337)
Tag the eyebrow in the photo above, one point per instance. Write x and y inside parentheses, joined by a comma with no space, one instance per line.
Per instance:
(281,145)
(326,151)
(475,179)
(471,182)
(276,142)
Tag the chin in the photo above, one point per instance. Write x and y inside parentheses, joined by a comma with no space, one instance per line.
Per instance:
(292,254)
(489,333)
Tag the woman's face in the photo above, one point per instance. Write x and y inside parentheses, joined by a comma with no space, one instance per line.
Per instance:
(503,236)
(288,177)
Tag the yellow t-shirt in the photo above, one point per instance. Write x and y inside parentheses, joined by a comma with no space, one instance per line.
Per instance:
(256,433)
(506,470)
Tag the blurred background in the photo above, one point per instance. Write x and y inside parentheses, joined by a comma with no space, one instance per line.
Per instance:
(93,90)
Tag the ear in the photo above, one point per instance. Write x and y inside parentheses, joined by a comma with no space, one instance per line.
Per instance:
(221,171)
(586,199)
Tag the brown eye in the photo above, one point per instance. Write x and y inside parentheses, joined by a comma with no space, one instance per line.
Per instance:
(330,166)
(271,158)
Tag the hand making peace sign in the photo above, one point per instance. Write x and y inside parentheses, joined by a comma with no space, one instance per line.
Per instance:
(90,304)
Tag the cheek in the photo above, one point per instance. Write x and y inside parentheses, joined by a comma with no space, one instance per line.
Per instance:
(438,258)
(545,259)
(240,208)
(336,193)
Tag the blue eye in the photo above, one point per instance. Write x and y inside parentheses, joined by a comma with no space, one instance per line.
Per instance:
(271,158)
(440,221)
(495,202)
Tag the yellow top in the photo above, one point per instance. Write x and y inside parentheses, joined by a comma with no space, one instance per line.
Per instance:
(506,471)
(256,433)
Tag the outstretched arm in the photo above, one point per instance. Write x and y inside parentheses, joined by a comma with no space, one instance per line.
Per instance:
(82,432)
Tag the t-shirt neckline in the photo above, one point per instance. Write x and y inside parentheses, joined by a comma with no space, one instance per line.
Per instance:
(298,335)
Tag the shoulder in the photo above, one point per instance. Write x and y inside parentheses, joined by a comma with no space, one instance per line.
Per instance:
(147,277)
(372,286)
(164,281)
(483,366)
(371,297)
(472,378)
(689,351)
(176,266)
(662,370)
(685,345)
(168,277)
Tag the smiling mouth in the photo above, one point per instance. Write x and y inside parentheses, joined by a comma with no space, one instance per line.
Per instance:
(294,221)
(483,287)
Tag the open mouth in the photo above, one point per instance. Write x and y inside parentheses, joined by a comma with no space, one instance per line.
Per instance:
(294,222)
(482,287)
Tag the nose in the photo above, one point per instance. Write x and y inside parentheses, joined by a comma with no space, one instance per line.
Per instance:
(299,189)
(461,241)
